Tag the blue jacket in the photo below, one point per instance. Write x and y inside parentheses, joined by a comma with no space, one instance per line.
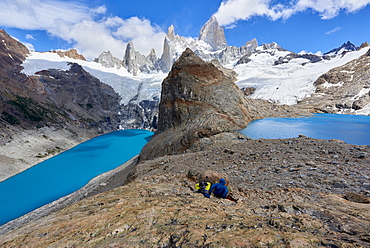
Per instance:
(219,189)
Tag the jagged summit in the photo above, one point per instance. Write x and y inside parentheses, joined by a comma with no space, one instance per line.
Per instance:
(346,47)
(107,60)
(211,44)
(213,34)
(171,32)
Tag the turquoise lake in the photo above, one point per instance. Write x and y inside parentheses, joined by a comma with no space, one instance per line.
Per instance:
(67,172)
(352,129)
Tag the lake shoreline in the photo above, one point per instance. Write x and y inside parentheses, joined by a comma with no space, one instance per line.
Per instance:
(101,183)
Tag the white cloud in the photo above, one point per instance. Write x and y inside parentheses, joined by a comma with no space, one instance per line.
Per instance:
(144,35)
(231,11)
(30,37)
(78,24)
(99,10)
(334,30)
(40,14)
(89,37)
(329,9)
(93,37)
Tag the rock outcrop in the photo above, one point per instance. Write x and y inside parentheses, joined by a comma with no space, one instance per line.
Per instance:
(198,100)
(167,57)
(135,62)
(72,53)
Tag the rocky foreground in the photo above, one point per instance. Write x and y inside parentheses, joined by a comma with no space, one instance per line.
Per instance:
(299,192)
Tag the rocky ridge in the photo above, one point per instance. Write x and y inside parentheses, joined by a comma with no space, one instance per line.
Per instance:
(211,44)
(346,47)
(343,89)
(72,53)
(108,60)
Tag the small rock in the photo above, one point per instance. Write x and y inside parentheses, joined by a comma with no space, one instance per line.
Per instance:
(350,196)
(362,155)
(310,163)
(339,185)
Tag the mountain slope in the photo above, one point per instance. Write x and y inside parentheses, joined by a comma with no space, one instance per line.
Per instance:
(344,89)
(43,114)
(289,82)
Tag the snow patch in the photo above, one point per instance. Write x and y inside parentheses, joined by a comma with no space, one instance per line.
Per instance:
(364,111)
(362,93)
(328,85)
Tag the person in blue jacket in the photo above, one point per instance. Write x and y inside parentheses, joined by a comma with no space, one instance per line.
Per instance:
(219,189)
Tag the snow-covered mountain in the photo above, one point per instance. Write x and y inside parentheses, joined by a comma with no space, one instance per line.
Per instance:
(266,71)
(346,47)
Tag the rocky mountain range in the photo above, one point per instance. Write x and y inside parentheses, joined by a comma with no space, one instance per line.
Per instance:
(266,71)
(211,44)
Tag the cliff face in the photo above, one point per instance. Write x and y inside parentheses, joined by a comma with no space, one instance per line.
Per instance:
(88,101)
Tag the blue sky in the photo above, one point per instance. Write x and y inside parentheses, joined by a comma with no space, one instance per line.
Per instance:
(94,26)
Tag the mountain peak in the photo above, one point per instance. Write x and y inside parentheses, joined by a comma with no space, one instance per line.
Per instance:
(213,34)
(171,32)
(346,47)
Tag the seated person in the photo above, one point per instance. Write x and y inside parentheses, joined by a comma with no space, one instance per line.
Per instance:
(219,189)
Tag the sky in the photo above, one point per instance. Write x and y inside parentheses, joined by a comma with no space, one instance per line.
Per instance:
(95,26)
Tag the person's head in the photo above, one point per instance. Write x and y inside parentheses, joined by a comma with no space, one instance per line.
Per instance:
(222,181)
